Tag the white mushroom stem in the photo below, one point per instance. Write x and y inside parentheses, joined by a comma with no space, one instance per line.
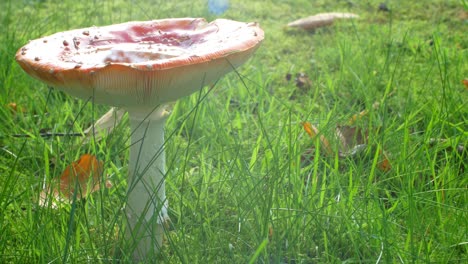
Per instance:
(146,207)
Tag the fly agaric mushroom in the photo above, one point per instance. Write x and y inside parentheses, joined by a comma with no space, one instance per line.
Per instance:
(141,67)
(320,20)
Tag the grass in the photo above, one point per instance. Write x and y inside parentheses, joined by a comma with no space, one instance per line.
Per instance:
(241,187)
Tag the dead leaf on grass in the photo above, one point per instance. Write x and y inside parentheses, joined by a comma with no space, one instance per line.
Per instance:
(359,116)
(105,124)
(352,141)
(303,81)
(384,163)
(465,82)
(313,132)
(447,146)
(350,137)
(14,108)
(80,178)
(383,7)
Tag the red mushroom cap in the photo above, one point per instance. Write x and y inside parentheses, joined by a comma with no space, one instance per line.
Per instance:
(140,64)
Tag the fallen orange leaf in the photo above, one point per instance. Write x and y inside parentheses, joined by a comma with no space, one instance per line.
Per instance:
(465,82)
(353,141)
(309,130)
(384,165)
(356,117)
(79,179)
(270,233)
(14,108)
(313,132)
(78,173)
(350,137)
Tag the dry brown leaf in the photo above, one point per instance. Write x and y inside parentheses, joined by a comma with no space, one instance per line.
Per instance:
(303,81)
(352,142)
(383,7)
(320,20)
(350,137)
(80,178)
(384,164)
(310,129)
(465,82)
(313,132)
(357,117)
(105,124)
(14,108)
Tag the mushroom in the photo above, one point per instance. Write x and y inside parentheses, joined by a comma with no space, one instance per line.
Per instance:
(320,20)
(141,67)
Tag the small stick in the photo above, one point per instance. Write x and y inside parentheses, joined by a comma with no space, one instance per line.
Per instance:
(48,135)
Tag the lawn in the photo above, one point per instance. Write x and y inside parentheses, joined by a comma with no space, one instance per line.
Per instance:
(256,173)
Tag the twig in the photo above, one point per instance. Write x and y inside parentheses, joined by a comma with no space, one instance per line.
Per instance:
(46,135)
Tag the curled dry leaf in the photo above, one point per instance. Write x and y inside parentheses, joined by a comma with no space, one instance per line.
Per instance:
(303,81)
(14,108)
(313,132)
(450,147)
(383,7)
(384,163)
(320,20)
(105,124)
(465,82)
(349,138)
(352,142)
(80,178)
(359,116)
(111,119)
